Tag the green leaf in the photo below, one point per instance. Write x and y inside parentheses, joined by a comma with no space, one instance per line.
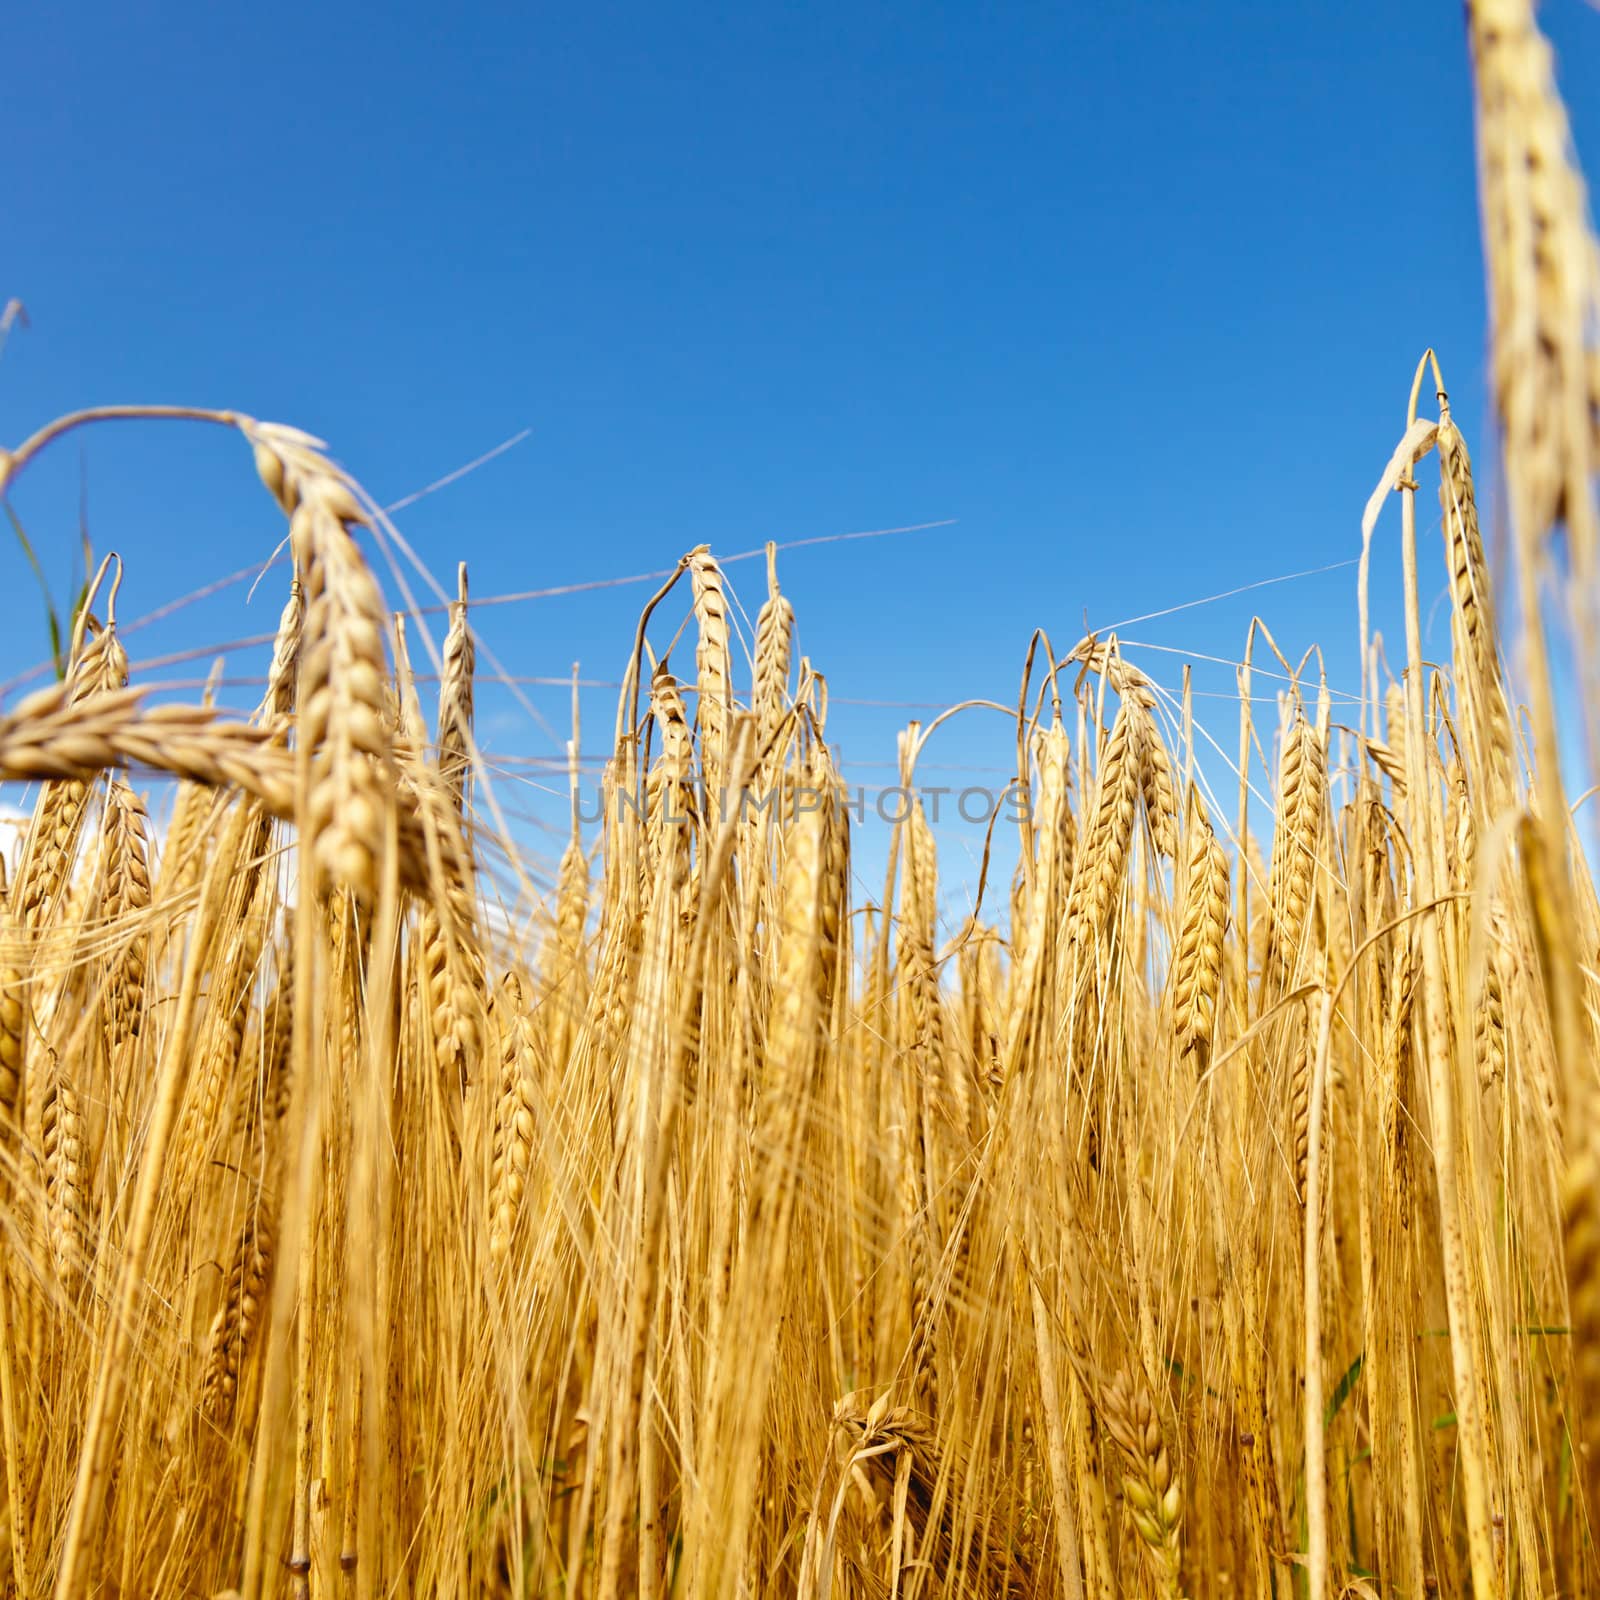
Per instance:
(52,618)
(1342,1389)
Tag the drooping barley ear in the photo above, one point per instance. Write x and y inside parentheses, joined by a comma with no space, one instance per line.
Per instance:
(1152,1492)
(101,665)
(455,697)
(127,898)
(1302,798)
(713,664)
(513,1117)
(50,738)
(1197,963)
(240,1317)
(1104,853)
(344,745)
(811,691)
(1104,656)
(774,646)
(66,1180)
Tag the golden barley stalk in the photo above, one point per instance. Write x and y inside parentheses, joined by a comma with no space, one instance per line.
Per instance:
(1104,853)
(1160,791)
(66,1180)
(343,669)
(1478,660)
(513,1120)
(239,1319)
(1302,797)
(1197,962)
(13,1030)
(774,644)
(455,697)
(126,899)
(713,663)
(278,702)
(1033,946)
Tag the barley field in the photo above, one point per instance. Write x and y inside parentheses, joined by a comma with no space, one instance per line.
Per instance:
(1216,1214)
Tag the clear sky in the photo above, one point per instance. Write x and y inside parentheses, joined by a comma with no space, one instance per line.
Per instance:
(1132,292)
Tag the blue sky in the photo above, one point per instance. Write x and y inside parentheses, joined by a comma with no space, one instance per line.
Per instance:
(1132,293)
